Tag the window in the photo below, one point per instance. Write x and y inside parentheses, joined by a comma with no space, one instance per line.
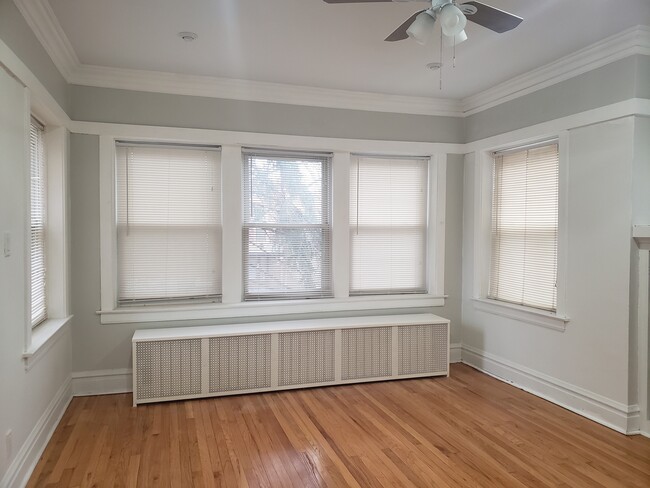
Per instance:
(188,232)
(388,225)
(524,235)
(286,225)
(168,223)
(38,222)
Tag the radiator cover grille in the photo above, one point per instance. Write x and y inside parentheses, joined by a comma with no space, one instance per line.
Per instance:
(214,361)
(169,368)
(366,353)
(420,349)
(240,363)
(306,357)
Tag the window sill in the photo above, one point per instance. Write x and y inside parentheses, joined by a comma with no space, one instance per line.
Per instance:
(522,314)
(160,313)
(43,338)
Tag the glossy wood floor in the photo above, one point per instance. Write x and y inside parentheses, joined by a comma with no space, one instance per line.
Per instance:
(463,431)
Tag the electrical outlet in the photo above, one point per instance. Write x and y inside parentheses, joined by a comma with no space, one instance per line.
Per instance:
(9,437)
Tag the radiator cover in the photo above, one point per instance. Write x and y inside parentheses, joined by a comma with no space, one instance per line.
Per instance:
(195,362)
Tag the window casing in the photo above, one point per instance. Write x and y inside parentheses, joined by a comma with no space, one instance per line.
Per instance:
(331,293)
(388,225)
(38,223)
(168,219)
(286,229)
(524,227)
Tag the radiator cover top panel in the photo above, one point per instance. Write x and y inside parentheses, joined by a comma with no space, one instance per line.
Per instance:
(179,363)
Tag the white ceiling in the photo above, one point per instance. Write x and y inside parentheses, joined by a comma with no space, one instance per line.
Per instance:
(311,43)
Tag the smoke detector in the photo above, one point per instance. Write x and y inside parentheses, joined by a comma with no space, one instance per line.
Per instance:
(187,36)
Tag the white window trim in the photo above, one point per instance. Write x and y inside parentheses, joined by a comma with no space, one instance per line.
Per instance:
(39,339)
(232,304)
(482,231)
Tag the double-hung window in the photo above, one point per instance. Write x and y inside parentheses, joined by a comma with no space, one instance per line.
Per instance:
(287,225)
(168,223)
(524,235)
(38,223)
(388,225)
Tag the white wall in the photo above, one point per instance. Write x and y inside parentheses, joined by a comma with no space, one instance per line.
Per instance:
(586,367)
(30,400)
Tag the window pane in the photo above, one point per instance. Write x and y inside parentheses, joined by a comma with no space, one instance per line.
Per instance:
(388,225)
(286,234)
(38,215)
(523,267)
(168,223)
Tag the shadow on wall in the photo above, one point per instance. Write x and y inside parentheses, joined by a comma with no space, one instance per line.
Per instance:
(476,337)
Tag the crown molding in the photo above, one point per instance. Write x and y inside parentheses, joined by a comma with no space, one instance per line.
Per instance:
(41,19)
(635,40)
(258,91)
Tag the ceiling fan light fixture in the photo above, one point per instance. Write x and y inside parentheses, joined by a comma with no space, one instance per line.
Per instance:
(421,29)
(457,39)
(452,20)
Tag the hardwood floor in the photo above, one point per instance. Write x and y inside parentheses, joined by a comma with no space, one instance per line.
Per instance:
(464,431)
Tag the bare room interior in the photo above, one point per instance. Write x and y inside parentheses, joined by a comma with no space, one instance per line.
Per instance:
(308,243)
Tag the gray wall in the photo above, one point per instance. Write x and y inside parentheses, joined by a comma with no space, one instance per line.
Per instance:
(97,346)
(453,245)
(615,82)
(16,34)
(642,76)
(145,108)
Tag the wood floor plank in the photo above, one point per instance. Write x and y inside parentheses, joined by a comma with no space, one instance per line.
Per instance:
(468,430)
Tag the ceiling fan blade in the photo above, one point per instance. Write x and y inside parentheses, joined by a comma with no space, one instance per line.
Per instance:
(400,34)
(493,18)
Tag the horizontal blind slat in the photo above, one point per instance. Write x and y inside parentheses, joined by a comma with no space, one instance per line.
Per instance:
(388,225)
(38,222)
(168,223)
(523,266)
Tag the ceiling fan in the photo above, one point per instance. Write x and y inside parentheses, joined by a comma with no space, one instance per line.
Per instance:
(452,18)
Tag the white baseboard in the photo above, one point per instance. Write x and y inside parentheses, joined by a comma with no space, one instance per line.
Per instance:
(30,452)
(455,352)
(618,416)
(102,382)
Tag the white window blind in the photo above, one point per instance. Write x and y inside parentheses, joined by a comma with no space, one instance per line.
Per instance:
(286,225)
(38,217)
(168,223)
(388,225)
(523,267)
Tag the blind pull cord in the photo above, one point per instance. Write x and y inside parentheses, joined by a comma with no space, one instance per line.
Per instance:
(127,191)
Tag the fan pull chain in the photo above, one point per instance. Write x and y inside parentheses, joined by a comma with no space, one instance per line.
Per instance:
(440,70)
(453,63)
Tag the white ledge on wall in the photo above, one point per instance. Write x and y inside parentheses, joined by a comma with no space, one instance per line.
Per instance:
(160,313)
(641,234)
(522,314)
(43,338)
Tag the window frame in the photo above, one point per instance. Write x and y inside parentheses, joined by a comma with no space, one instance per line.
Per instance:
(325,159)
(427,284)
(40,338)
(126,145)
(483,179)
(40,128)
(232,304)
